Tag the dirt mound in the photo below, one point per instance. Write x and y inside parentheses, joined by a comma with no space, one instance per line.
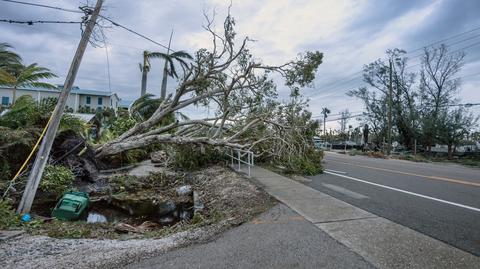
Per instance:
(71,150)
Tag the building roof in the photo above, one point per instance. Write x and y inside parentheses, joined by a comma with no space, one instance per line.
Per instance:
(125,103)
(75,90)
(82,116)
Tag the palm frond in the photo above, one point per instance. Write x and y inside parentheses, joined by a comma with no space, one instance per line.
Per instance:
(43,85)
(8,57)
(160,55)
(181,116)
(144,106)
(172,72)
(181,54)
(6,78)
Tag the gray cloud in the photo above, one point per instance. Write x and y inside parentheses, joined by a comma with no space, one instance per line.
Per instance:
(350,33)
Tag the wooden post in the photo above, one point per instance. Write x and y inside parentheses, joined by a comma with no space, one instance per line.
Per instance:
(415,148)
(44,151)
(390,90)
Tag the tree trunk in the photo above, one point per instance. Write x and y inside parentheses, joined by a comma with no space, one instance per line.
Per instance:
(450,152)
(163,92)
(144,83)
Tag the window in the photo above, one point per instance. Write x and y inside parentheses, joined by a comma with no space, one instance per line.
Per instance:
(89,100)
(100,101)
(5,100)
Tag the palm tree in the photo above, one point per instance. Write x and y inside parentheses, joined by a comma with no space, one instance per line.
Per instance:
(144,68)
(26,76)
(144,107)
(169,66)
(325,112)
(7,57)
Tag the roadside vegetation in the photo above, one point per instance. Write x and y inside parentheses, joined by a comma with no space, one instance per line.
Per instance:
(428,121)
(96,156)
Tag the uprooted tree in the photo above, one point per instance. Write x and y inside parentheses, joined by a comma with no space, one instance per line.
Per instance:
(242,91)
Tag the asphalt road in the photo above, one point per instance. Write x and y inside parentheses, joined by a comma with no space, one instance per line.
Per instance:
(439,200)
(280,238)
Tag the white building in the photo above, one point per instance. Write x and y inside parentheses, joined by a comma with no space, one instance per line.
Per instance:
(79,101)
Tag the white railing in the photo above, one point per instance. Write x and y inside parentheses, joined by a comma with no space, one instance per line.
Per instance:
(239,156)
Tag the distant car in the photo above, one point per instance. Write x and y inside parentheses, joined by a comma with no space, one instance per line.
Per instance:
(320,144)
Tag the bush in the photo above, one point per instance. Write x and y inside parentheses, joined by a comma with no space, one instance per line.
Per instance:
(24,113)
(376,154)
(15,145)
(121,125)
(72,123)
(310,164)
(191,157)
(8,218)
(56,179)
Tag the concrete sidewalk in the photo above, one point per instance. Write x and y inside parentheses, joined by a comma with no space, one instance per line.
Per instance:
(383,243)
(279,238)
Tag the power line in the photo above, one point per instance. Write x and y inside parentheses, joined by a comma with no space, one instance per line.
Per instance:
(448,38)
(355,77)
(103,17)
(336,114)
(349,117)
(350,81)
(44,6)
(134,32)
(31,22)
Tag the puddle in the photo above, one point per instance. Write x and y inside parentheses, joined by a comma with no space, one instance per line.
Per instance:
(130,211)
(139,211)
(94,217)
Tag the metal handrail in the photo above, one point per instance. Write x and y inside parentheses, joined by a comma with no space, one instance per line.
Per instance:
(239,154)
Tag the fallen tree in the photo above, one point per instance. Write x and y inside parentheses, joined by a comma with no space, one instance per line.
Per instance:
(240,89)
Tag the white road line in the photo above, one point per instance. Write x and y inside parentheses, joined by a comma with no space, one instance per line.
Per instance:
(347,192)
(335,171)
(407,192)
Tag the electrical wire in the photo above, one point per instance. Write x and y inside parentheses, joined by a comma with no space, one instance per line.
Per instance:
(341,84)
(44,6)
(33,22)
(134,32)
(103,17)
(355,77)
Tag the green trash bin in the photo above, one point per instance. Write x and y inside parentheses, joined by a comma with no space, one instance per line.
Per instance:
(72,206)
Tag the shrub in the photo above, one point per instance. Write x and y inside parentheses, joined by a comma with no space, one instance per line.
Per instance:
(121,125)
(376,154)
(23,113)
(8,218)
(191,157)
(15,145)
(309,164)
(72,123)
(56,179)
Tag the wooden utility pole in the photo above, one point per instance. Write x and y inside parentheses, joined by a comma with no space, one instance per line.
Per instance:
(390,90)
(44,151)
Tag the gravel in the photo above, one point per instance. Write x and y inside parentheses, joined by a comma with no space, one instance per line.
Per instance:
(29,251)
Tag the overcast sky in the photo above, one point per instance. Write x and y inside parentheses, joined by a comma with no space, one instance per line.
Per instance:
(350,34)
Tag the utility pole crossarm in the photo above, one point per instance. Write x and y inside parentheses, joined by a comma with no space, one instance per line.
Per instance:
(44,151)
